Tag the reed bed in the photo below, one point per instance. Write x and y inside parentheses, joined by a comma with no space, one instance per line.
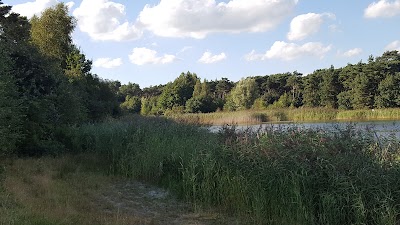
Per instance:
(273,176)
(287,114)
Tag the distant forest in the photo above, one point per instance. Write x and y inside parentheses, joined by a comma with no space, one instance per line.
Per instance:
(374,84)
(46,83)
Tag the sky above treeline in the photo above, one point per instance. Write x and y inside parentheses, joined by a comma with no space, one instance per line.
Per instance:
(152,42)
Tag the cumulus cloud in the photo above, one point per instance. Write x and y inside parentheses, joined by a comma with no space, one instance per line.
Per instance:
(143,56)
(305,25)
(29,9)
(383,8)
(209,58)
(107,63)
(351,52)
(197,19)
(105,20)
(395,45)
(289,51)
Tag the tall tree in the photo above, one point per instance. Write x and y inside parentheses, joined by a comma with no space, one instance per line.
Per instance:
(389,92)
(294,81)
(311,94)
(175,94)
(243,94)
(51,33)
(329,88)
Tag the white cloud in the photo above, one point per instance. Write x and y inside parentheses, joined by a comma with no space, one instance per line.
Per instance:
(29,9)
(252,56)
(351,52)
(197,19)
(107,63)
(289,51)
(395,45)
(184,49)
(305,25)
(209,58)
(105,20)
(143,56)
(383,8)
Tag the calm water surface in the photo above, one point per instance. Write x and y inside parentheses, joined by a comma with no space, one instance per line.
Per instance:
(380,128)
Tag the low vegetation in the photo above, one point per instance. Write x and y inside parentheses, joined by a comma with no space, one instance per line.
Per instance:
(282,115)
(291,176)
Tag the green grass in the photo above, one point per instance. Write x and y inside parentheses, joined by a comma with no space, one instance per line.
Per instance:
(286,114)
(291,176)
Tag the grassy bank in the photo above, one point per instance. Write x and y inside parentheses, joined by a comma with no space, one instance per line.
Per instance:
(280,177)
(78,189)
(51,191)
(276,115)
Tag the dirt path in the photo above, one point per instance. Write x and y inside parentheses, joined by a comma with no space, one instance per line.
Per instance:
(152,205)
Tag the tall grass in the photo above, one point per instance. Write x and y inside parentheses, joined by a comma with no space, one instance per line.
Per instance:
(286,114)
(274,176)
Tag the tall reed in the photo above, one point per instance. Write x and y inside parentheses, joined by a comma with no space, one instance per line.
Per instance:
(286,114)
(272,176)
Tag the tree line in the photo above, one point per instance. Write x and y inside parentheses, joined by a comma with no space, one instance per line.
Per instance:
(46,84)
(374,84)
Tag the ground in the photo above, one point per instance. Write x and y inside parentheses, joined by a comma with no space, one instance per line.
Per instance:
(76,190)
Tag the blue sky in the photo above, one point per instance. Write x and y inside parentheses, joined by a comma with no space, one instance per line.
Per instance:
(152,42)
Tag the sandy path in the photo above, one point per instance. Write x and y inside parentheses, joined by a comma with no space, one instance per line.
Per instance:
(152,205)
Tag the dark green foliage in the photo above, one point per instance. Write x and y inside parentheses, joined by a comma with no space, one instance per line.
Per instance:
(45,83)
(176,94)
(202,101)
(311,93)
(294,82)
(12,112)
(129,89)
(132,104)
(330,88)
(389,92)
(223,87)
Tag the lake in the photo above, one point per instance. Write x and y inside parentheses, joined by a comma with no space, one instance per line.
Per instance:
(380,128)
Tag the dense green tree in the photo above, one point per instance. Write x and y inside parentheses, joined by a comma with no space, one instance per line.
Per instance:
(294,81)
(273,87)
(77,66)
(362,97)
(149,106)
(344,100)
(389,92)
(330,88)
(201,101)
(37,81)
(311,93)
(175,94)
(130,89)
(223,87)
(153,91)
(243,95)
(51,33)
(12,112)
(132,104)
